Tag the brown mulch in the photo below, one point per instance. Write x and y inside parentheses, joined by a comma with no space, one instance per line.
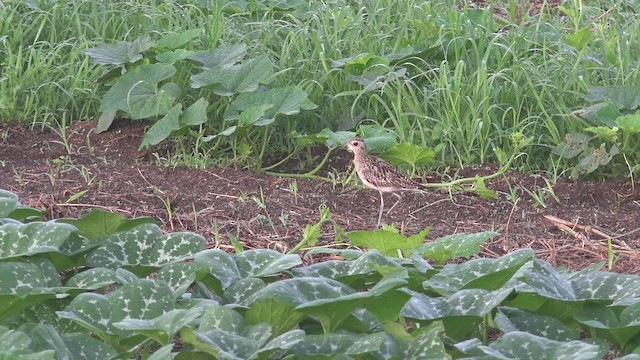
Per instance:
(568,228)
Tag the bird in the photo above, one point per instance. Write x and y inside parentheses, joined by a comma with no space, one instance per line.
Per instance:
(379,175)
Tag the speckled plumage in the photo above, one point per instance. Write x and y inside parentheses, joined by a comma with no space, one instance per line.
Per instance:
(379,174)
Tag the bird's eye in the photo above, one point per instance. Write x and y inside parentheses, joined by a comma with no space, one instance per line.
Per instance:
(355,143)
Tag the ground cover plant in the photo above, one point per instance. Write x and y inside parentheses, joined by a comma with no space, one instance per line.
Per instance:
(235,81)
(248,265)
(110,287)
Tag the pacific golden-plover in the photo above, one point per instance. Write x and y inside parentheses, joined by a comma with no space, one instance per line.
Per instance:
(379,174)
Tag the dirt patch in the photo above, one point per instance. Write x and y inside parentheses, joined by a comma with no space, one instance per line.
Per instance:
(264,211)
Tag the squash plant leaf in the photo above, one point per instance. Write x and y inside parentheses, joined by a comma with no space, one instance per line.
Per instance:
(288,100)
(231,80)
(139,93)
(120,53)
(457,245)
(145,246)
(175,122)
(18,240)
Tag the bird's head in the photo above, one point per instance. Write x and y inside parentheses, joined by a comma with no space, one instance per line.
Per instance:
(356,145)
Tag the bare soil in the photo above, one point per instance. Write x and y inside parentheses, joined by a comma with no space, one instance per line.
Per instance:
(570,232)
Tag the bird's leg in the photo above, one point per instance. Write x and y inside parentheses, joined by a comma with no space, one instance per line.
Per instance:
(396,203)
(381,209)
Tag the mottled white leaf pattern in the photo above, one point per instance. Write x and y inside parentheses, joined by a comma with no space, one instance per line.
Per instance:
(468,302)
(264,262)
(164,327)
(222,266)
(298,291)
(32,238)
(69,346)
(522,345)
(140,299)
(222,318)
(426,344)
(8,202)
(546,281)
(454,277)
(336,344)
(512,319)
(23,279)
(145,245)
(456,245)
(93,279)
(179,276)
(239,292)
(623,289)
(365,264)
(13,340)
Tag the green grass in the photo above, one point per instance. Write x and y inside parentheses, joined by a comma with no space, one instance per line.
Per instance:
(470,80)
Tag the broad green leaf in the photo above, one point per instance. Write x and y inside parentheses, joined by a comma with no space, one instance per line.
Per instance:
(93,279)
(625,97)
(222,266)
(179,276)
(23,284)
(76,346)
(482,273)
(163,328)
(426,344)
(467,302)
(162,129)
(522,345)
(598,157)
(622,289)
(173,56)
(139,94)
(411,154)
(281,316)
(378,139)
(457,245)
(97,224)
(225,345)
(547,282)
(13,340)
(33,238)
(222,318)
(630,124)
(145,245)
(264,262)
(164,353)
(479,188)
(141,299)
(326,136)
(231,80)
(177,40)
(176,121)
(252,115)
(8,202)
(288,100)
(225,55)
(338,344)
(300,290)
(604,132)
(363,268)
(359,64)
(617,327)
(510,319)
(387,242)
(581,38)
(242,290)
(121,52)
(572,145)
